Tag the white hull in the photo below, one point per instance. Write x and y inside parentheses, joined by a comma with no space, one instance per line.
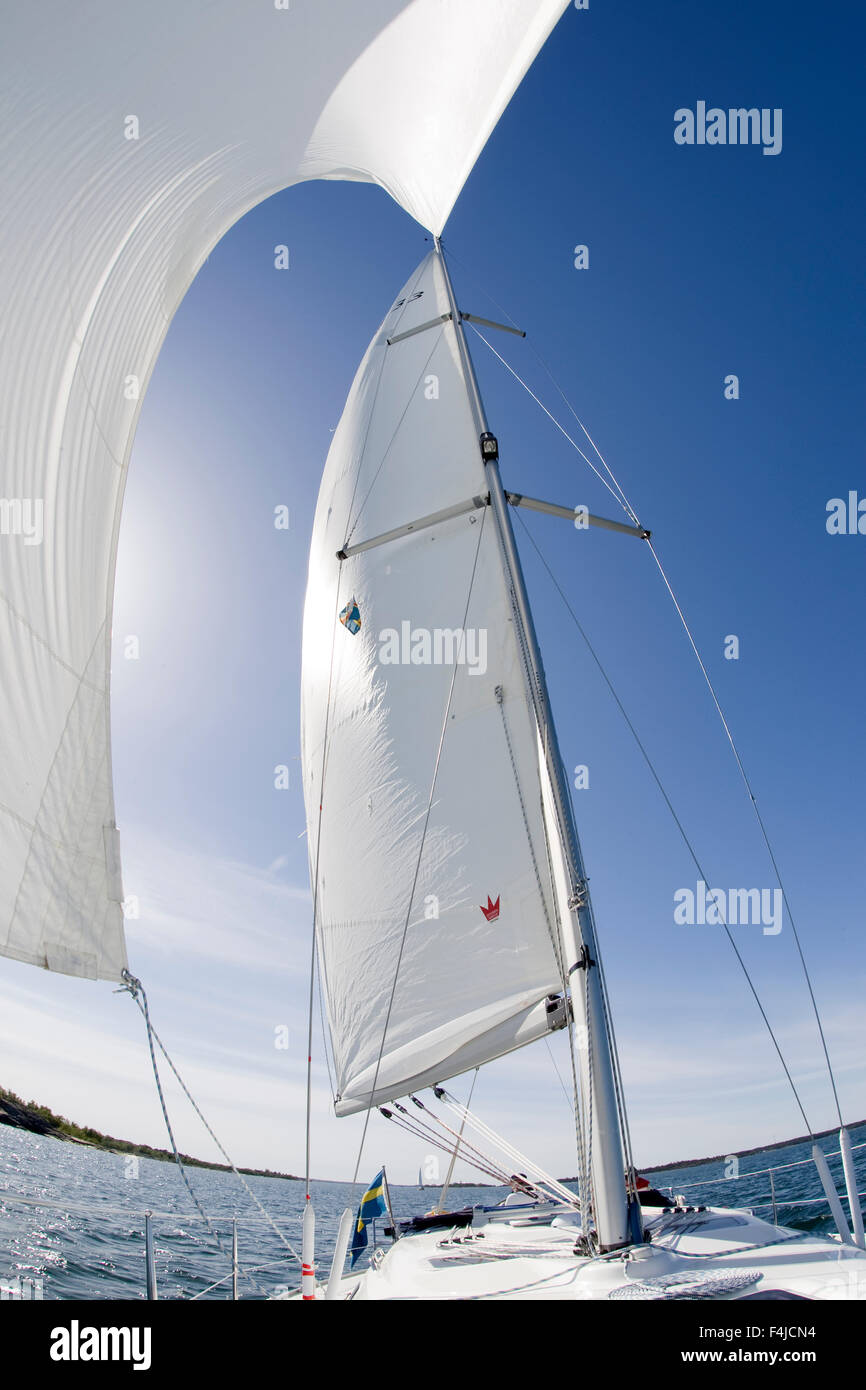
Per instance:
(715,1253)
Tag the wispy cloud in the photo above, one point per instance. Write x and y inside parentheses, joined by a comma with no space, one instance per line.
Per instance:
(198,905)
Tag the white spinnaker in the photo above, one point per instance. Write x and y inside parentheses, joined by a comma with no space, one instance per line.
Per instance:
(468,988)
(132,139)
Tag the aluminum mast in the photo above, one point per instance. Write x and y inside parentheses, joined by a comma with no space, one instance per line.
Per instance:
(595,1057)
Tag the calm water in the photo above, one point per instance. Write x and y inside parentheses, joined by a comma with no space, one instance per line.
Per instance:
(90,1242)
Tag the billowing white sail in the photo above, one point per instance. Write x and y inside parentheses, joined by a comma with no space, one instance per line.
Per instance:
(385,681)
(133,137)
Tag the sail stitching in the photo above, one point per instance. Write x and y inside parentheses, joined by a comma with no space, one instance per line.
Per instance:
(557,950)
(454,670)
(71,707)
(394,434)
(313,947)
(382,364)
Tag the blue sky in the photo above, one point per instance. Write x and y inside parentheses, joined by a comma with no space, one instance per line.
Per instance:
(702,262)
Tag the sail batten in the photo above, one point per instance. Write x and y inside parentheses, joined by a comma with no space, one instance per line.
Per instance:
(428,740)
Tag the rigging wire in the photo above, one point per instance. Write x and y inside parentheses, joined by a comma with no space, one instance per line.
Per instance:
(135,988)
(420,1129)
(551,417)
(449,1175)
(632,514)
(584,1150)
(760,820)
(542,1178)
(568,1100)
(323,1027)
(671,808)
(623,500)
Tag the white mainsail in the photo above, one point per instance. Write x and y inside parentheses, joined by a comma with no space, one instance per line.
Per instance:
(132,141)
(465,901)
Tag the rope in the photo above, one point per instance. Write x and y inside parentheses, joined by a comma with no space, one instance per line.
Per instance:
(420,853)
(322,1023)
(586,1014)
(136,989)
(448,1176)
(563,1192)
(419,1130)
(142,1004)
(670,1244)
(502,1172)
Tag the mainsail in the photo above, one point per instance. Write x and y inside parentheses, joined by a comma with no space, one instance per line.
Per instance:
(436,915)
(132,141)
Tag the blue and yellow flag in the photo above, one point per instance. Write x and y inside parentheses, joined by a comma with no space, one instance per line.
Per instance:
(372,1205)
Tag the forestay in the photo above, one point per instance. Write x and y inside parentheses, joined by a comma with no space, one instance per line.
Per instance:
(478,960)
(133,138)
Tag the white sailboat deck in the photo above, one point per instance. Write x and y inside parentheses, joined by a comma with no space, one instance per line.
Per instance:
(715,1253)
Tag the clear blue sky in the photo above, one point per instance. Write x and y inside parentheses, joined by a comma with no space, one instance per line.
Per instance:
(702,262)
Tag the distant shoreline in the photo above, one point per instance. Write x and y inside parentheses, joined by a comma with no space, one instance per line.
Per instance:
(38,1119)
(16,1113)
(744,1153)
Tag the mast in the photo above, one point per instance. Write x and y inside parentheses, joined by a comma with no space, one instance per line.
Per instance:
(595,1056)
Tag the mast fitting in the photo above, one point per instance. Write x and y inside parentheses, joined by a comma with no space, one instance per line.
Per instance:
(584,962)
(489,447)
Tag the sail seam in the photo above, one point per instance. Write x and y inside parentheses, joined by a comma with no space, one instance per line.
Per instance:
(390,445)
(382,364)
(444,729)
(557,947)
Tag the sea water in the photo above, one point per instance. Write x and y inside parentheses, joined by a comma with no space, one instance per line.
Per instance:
(79,1233)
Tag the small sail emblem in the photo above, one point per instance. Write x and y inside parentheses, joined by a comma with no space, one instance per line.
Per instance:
(491,911)
(351,617)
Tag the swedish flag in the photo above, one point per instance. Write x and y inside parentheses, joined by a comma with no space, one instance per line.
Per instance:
(372,1205)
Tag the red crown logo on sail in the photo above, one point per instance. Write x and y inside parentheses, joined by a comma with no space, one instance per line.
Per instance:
(491,911)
